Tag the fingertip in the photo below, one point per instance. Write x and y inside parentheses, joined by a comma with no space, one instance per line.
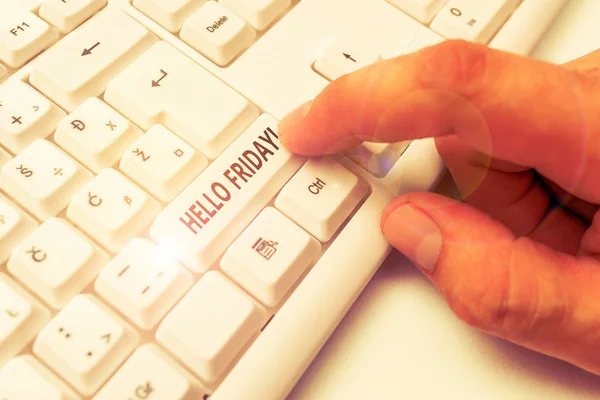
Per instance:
(289,126)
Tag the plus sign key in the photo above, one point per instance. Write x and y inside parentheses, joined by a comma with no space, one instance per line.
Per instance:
(96,135)
(346,55)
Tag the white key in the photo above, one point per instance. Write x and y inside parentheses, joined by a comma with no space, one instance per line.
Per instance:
(22,36)
(21,317)
(346,55)
(3,72)
(14,226)
(143,282)
(422,10)
(112,209)
(96,135)
(162,163)
(473,20)
(164,380)
(218,205)
(165,87)
(82,64)
(25,115)
(378,158)
(43,178)
(527,25)
(270,256)
(67,15)
(85,343)
(25,378)
(217,33)
(321,196)
(171,14)
(423,38)
(259,13)
(56,262)
(4,157)
(210,326)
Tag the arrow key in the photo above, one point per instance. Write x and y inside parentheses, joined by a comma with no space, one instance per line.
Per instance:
(346,55)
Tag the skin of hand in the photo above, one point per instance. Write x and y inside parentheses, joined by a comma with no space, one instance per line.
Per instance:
(518,257)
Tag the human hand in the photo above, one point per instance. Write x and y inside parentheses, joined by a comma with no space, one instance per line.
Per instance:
(519,258)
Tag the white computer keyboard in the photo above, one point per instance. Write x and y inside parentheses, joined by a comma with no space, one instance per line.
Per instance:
(156,240)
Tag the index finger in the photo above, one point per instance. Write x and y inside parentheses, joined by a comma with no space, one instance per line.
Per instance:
(513,108)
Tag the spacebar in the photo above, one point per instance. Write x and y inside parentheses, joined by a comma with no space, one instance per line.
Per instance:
(209,214)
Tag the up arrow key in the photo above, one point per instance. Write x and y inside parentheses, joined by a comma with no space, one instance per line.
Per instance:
(349,57)
(345,56)
(89,51)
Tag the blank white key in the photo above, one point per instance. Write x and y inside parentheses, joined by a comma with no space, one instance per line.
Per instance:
(85,343)
(346,55)
(21,317)
(378,158)
(112,209)
(218,205)
(56,262)
(162,163)
(66,15)
(421,10)
(217,33)
(473,20)
(269,257)
(164,380)
(259,13)
(527,25)
(25,115)
(321,196)
(143,282)
(423,38)
(14,226)
(171,14)
(22,36)
(210,326)
(43,178)
(25,378)
(96,135)
(82,63)
(165,87)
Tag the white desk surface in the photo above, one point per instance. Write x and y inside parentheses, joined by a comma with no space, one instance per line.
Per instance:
(400,341)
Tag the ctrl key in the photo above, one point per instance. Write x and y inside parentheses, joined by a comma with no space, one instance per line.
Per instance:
(321,196)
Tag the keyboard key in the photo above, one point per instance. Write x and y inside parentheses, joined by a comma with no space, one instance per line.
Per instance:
(14,226)
(25,378)
(165,87)
(25,115)
(321,196)
(473,20)
(96,134)
(68,15)
(270,256)
(210,326)
(344,56)
(423,38)
(259,13)
(171,14)
(165,380)
(56,262)
(43,178)
(143,282)
(422,10)
(22,36)
(162,163)
(82,64)
(4,157)
(112,209)
(378,158)
(218,205)
(85,343)
(21,317)
(217,33)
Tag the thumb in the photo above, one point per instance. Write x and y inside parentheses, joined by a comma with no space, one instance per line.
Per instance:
(513,288)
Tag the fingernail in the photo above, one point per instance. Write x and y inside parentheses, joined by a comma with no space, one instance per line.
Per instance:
(294,117)
(415,234)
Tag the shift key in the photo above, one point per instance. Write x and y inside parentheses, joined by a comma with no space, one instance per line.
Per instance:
(199,225)
(83,63)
